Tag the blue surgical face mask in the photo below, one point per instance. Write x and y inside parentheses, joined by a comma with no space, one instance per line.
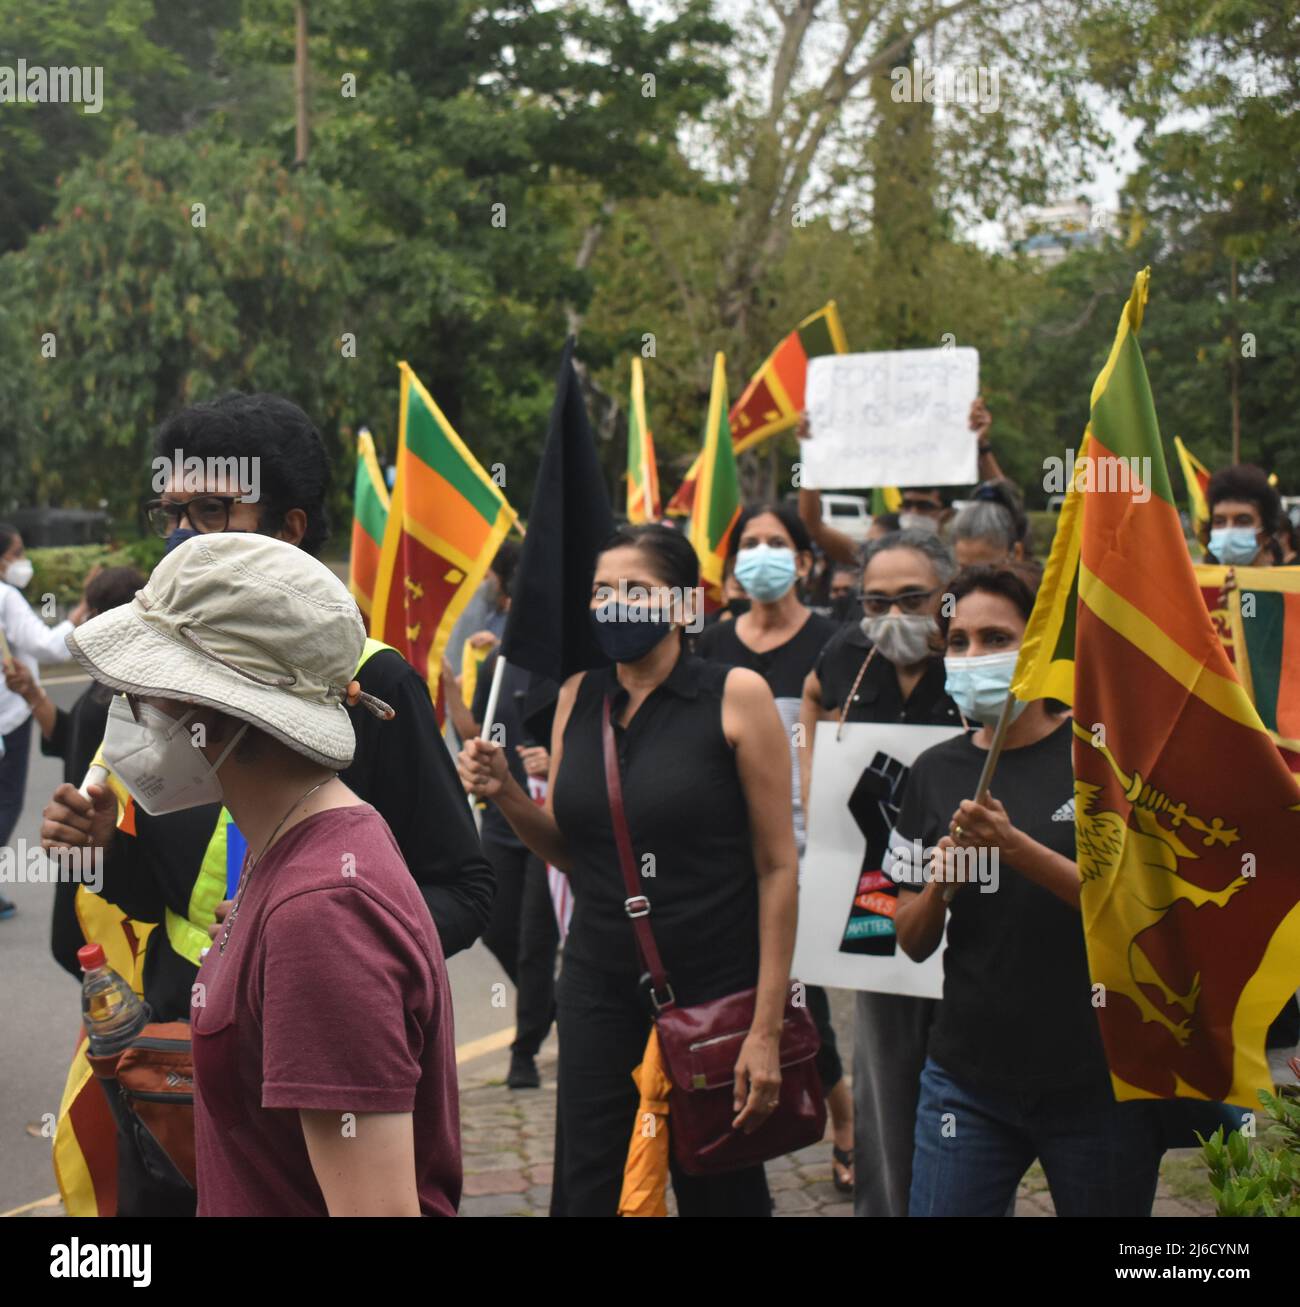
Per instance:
(179,537)
(979,686)
(1234,546)
(627,632)
(766,571)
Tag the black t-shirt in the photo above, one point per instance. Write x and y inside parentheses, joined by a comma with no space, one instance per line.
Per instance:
(686,808)
(1017,1001)
(784,669)
(878,698)
(78,732)
(401,767)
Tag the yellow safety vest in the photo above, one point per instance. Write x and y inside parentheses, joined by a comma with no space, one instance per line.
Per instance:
(188,935)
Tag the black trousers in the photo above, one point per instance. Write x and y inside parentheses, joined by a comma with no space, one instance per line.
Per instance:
(13,777)
(523,937)
(830,1069)
(604,1024)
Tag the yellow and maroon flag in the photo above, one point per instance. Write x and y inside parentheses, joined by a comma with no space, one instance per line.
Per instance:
(774,398)
(642,473)
(717,499)
(1196,477)
(1256,613)
(445,521)
(369,518)
(1186,815)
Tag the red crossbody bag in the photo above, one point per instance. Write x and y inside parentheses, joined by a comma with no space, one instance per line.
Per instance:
(700,1044)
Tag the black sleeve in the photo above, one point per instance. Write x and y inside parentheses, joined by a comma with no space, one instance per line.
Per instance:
(831,691)
(155,869)
(65,930)
(404,769)
(57,745)
(483,687)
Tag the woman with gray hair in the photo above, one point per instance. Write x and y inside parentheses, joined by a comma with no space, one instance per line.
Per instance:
(993,529)
(887,668)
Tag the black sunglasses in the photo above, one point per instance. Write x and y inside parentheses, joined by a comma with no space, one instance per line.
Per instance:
(876,604)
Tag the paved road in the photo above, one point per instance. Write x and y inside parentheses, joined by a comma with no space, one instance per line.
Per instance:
(40,1008)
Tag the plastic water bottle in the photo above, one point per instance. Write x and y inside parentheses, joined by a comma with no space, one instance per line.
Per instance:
(113,1014)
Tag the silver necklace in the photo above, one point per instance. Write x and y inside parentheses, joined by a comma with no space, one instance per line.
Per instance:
(248,869)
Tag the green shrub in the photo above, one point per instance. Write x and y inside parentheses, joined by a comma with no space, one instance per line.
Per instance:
(1263,1178)
(62,571)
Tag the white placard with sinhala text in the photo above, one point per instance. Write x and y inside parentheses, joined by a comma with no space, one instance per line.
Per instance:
(895,418)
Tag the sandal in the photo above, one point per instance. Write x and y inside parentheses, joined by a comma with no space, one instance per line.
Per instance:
(842,1157)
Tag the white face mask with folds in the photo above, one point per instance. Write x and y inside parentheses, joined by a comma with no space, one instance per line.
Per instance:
(19,572)
(157,760)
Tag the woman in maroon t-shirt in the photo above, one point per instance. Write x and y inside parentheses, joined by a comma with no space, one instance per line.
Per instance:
(324,1056)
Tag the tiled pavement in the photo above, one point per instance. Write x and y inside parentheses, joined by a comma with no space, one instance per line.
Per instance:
(508,1136)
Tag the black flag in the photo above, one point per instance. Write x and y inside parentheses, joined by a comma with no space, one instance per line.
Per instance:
(548,630)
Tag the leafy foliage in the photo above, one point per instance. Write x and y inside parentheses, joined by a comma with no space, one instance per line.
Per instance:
(1260,1179)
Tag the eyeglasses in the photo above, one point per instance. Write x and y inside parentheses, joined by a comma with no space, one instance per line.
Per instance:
(205,513)
(876,604)
(920,506)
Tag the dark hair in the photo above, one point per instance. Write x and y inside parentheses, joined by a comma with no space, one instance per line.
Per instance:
(671,552)
(1015,581)
(294,471)
(8,534)
(1248,483)
(113,587)
(944,493)
(786,514)
(504,562)
(890,521)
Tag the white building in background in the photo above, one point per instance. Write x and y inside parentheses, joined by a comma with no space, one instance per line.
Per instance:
(1049,232)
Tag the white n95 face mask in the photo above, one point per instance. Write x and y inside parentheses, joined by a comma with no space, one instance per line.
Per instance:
(19,572)
(157,760)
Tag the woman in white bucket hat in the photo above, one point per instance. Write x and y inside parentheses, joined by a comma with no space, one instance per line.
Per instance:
(324,1053)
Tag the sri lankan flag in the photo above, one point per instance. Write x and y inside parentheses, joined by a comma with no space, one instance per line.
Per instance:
(1196,477)
(717,501)
(886,499)
(1256,612)
(774,398)
(444,525)
(1187,818)
(369,517)
(642,474)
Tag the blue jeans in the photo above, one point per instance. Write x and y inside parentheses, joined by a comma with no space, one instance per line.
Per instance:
(1101,1158)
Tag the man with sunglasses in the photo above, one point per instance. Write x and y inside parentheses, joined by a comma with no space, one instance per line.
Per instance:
(178,864)
(886,668)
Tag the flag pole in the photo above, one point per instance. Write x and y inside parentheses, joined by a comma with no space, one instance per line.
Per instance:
(990,766)
(489,716)
(494,693)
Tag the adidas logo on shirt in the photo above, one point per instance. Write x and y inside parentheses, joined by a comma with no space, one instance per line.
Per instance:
(1065,812)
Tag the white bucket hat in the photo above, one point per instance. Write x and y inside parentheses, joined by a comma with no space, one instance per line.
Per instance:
(246,624)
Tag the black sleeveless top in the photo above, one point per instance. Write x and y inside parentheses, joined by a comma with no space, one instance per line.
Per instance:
(689,823)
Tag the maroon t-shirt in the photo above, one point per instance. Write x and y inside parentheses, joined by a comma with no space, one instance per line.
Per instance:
(332,994)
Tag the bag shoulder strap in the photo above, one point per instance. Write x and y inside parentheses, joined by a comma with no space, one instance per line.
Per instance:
(637,906)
